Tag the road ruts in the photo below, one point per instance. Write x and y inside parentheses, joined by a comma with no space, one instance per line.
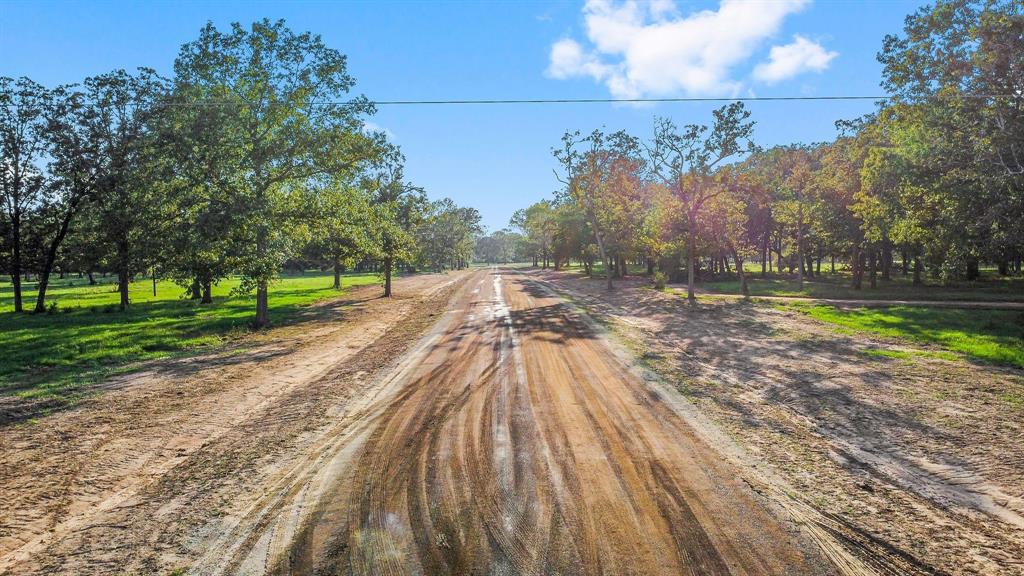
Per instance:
(520,444)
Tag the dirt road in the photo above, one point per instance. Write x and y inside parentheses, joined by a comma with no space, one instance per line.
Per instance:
(510,438)
(516,442)
(911,461)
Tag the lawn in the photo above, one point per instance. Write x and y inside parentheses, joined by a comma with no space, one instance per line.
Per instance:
(87,337)
(995,336)
(989,287)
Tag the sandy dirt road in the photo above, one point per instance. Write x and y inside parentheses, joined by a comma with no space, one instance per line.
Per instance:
(909,462)
(513,441)
(141,477)
(496,432)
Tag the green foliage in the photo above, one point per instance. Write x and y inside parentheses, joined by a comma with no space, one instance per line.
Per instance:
(659,280)
(446,236)
(260,111)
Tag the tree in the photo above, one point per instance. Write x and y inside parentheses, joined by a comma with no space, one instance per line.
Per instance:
(538,225)
(23,145)
(117,124)
(685,159)
(958,72)
(499,247)
(398,207)
(446,236)
(282,123)
(75,171)
(342,227)
(596,170)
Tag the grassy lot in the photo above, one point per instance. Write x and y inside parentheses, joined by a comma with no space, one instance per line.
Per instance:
(995,336)
(989,287)
(87,337)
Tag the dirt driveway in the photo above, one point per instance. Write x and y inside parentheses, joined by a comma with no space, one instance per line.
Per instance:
(912,464)
(508,437)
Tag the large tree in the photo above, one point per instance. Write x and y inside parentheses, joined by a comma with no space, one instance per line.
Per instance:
(283,120)
(127,196)
(23,142)
(685,160)
(598,171)
(958,72)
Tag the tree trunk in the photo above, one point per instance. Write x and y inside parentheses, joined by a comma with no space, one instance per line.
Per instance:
(918,269)
(604,258)
(51,257)
(196,291)
(16,260)
(122,287)
(800,244)
(207,292)
(764,256)
(873,267)
(262,305)
(388,263)
(1004,266)
(337,274)
(690,256)
(744,289)
(858,268)
(650,266)
(122,272)
(92,279)
(886,260)
(972,269)
(906,266)
(832,258)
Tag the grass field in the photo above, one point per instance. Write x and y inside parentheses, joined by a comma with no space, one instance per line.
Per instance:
(989,287)
(86,337)
(995,336)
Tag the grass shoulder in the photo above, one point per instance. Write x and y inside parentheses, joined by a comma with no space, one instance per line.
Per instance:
(86,338)
(995,336)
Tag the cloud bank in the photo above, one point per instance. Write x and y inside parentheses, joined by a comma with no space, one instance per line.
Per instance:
(643,49)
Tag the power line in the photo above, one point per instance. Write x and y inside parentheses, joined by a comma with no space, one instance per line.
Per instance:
(631,100)
(514,101)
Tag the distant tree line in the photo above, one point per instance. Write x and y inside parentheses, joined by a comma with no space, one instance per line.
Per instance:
(254,157)
(931,184)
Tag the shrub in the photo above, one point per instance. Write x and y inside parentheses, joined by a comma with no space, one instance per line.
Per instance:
(659,280)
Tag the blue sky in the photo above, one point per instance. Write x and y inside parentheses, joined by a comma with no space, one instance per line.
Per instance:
(497,158)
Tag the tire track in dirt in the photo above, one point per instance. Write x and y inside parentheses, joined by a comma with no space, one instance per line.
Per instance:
(515,442)
(890,464)
(141,477)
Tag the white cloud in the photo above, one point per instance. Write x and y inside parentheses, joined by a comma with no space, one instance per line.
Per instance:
(797,57)
(649,49)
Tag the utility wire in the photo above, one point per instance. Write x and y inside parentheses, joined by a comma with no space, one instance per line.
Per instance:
(626,100)
(503,101)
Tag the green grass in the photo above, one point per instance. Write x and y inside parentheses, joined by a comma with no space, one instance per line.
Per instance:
(995,336)
(87,337)
(990,287)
